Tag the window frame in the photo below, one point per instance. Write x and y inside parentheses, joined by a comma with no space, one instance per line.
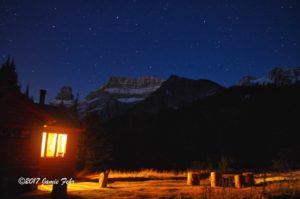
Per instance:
(45,145)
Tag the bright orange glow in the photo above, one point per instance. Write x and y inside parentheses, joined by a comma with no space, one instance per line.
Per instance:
(61,145)
(51,144)
(54,145)
(43,144)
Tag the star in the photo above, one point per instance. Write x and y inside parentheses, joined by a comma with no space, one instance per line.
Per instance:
(218,44)
(134,33)
(268,29)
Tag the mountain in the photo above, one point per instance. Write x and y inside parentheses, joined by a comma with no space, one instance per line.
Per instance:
(277,76)
(177,92)
(252,125)
(285,75)
(64,97)
(145,94)
(174,123)
(118,95)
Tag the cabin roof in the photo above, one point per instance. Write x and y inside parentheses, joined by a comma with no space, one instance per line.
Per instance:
(63,116)
(18,111)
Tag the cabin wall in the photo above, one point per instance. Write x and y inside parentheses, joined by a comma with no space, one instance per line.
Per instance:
(59,167)
(19,151)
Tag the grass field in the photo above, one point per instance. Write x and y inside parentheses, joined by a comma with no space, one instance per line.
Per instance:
(166,184)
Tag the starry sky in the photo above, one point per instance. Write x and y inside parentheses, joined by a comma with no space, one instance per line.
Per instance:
(82,43)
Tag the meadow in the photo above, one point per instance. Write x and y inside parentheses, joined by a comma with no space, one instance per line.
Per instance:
(171,184)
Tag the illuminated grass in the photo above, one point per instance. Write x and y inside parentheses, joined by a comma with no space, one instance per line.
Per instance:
(160,184)
(146,173)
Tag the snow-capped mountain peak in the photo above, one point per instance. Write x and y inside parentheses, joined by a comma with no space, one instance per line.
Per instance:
(118,95)
(277,76)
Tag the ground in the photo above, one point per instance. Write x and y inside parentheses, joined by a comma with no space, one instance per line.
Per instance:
(152,184)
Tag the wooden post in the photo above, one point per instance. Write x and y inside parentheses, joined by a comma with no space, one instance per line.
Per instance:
(59,191)
(215,179)
(249,178)
(239,181)
(193,178)
(103,179)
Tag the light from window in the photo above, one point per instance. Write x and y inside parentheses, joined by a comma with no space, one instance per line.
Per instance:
(53,145)
(43,144)
(61,145)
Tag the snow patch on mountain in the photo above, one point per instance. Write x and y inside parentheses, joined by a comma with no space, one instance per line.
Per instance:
(211,92)
(118,95)
(262,81)
(64,97)
(67,103)
(277,76)
(132,91)
(130,99)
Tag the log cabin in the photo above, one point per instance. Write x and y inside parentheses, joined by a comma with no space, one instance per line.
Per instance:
(36,140)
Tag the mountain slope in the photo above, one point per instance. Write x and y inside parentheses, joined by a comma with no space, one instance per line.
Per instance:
(64,97)
(177,92)
(250,125)
(118,95)
(277,76)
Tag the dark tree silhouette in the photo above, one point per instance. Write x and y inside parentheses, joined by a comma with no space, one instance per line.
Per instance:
(26,93)
(8,74)
(94,146)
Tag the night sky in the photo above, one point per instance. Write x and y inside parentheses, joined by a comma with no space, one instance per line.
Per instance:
(83,43)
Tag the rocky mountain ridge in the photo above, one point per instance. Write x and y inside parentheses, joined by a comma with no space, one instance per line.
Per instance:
(118,95)
(277,76)
(64,97)
(133,83)
(177,92)
(150,94)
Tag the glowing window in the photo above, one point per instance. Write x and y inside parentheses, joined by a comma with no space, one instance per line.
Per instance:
(61,145)
(53,145)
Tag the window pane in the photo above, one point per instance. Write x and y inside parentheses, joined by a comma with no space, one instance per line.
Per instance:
(61,145)
(43,144)
(51,144)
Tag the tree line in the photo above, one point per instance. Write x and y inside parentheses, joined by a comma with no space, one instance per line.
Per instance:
(94,147)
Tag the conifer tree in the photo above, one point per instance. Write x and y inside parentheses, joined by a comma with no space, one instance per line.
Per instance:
(94,146)
(26,93)
(8,74)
